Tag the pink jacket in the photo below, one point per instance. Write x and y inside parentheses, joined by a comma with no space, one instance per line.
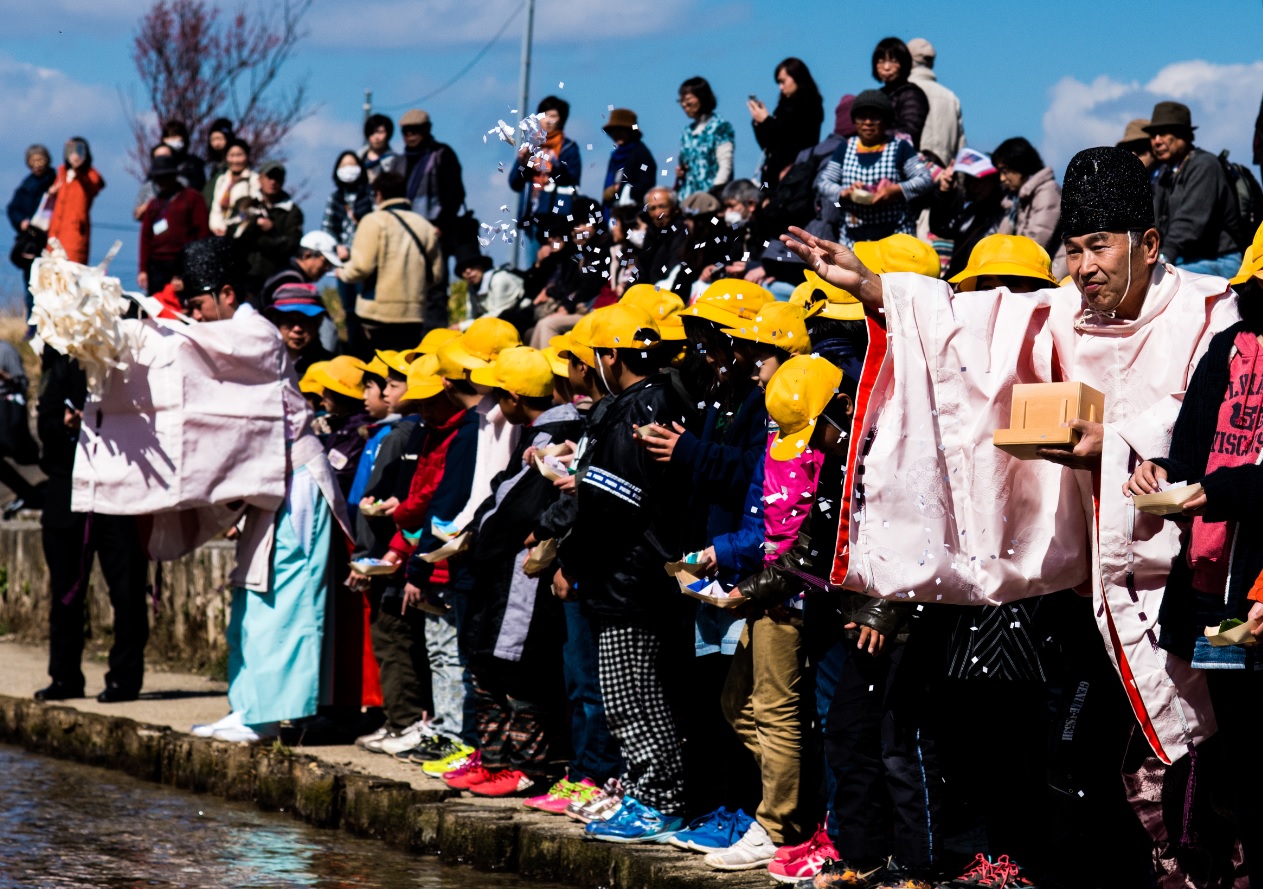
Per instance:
(789,487)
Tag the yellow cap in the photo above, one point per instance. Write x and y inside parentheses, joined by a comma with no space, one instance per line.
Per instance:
(396,361)
(618,327)
(838,304)
(899,253)
(663,307)
(479,345)
(423,379)
(344,375)
(1252,262)
(310,384)
(376,367)
(797,394)
(1005,255)
(560,366)
(520,370)
(729,301)
(573,343)
(431,342)
(449,364)
(777,324)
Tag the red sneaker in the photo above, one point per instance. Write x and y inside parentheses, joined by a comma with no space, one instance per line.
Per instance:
(468,778)
(505,782)
(789,853)
(808,864)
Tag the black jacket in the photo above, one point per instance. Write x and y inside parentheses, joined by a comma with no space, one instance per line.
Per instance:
(794,125)
(1197,210)
(26,197)
(435,186)
(61,381)
(373,533)
(806,566)
(1232,494)
(509,615)
(964,224)
(911,109)
(664,249)
(267,252)
(630,521)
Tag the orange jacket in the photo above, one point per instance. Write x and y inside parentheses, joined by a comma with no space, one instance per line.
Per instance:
(72,220)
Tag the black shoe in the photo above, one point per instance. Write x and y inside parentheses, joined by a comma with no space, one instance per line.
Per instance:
(12,508)
(59,691)
(115,694)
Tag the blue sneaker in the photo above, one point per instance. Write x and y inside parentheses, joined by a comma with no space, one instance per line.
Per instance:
(716,830)
(635,823)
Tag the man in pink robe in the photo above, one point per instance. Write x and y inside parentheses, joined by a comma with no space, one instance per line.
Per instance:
(938,514)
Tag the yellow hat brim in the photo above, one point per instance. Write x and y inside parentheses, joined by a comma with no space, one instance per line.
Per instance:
(427,388)
(788,445)
(393,360)
(326,381)
(560,366)
(843,311)
(1012,269)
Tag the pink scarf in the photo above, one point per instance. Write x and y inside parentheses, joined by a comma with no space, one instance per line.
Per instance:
(1236,443)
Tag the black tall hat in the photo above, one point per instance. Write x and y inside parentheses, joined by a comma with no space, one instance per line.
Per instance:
(206,265)
(1105,190)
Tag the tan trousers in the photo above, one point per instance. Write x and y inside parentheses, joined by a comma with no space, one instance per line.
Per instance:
(762,702)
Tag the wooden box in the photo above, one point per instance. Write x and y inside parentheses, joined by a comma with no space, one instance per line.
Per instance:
(1040,409)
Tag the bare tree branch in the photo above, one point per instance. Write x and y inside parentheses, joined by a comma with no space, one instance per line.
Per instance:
(196,65)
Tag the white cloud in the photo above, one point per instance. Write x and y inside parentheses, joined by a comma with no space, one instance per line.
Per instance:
(408,23)
(1224,100)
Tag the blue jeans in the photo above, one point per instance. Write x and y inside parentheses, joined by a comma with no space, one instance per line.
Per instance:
(450,680)
(1224,266)
(596,755)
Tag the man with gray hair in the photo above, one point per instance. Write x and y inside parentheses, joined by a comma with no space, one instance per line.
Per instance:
(662,257)
(944,133)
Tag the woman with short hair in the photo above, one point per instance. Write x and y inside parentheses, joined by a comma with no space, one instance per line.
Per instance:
(706,148)
(892,65)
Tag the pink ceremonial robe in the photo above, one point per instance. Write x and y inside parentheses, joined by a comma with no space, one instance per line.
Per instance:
(938,514)
(202,428)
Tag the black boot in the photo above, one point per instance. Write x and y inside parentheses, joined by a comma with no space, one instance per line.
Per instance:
(59,691)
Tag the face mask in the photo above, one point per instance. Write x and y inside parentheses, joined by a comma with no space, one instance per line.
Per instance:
(348,175)
(734,218)
(636,237)
(177,144)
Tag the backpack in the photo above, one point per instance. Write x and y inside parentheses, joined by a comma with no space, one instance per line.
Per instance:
(1249,197)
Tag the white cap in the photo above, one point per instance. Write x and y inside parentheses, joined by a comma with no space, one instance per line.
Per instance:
(922,51)
(323,243)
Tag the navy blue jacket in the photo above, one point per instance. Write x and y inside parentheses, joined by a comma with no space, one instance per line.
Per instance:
(565,176)
(26,197)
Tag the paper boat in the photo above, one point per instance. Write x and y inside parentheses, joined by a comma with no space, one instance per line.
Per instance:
(702,589)
(456,545)
(1238,635)
(1168,502)
(374,567)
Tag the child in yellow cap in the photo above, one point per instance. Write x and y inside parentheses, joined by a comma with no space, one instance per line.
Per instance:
(513,624)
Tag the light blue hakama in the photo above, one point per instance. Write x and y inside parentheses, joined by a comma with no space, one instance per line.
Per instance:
(275,639)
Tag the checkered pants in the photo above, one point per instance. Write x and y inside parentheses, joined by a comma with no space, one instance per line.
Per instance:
(633,673)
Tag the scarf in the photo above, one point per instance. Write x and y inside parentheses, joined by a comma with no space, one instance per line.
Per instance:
(1236,443)
(546,158)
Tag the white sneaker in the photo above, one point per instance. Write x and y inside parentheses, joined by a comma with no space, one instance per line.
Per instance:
(248,734)
(372,741)
(755,849)
(232,720)
(410,737)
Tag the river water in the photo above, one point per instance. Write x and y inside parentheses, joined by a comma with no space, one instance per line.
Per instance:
(68,825)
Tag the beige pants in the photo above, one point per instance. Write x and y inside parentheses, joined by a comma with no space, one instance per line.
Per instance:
(762,700)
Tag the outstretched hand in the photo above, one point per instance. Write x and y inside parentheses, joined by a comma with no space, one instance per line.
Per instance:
(837,265)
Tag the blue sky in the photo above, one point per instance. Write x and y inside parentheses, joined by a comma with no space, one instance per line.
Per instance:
(1065,75)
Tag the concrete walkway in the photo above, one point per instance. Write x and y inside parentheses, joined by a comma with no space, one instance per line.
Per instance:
(329,786)
(179,701)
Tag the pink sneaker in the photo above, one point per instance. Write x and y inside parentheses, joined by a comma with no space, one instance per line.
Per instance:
(474,762)
(807,864)
(561,795)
